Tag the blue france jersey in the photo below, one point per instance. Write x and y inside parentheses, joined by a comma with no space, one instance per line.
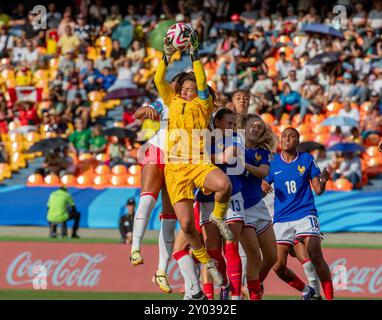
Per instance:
(251,190)
(293,195)
(219,147)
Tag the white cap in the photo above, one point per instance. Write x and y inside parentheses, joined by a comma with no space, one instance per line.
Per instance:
(179,17)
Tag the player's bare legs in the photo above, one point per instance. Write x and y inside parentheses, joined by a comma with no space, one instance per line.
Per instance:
(152,179)
(267,242)
(218,182)
(287,275)
(251,248)
(165,242)
(185,214)
(310,272)
(313,244)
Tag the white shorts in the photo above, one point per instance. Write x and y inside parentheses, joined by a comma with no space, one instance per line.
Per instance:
(258,217)
(235,210)
(287,232)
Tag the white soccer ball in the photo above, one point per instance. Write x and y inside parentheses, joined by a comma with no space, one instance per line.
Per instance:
(178,35)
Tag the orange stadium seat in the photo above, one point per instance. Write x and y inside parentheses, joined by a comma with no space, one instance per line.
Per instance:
(372,140)
(319,129)
(316,118)
(85,156)
(102,170)
(95,96)
(5,171)
(118,181)
(135,170)
(101,182)
(35,180)
(373,152)
(321,138)
(102,157)
(284,118)
(365,107)
(333,107)
(119,170)
(69,180)
(84,181)
(343,184)
(52,180)
(133,181)
(267,118)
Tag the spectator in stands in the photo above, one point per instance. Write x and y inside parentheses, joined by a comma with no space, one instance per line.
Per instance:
(376,102)
(97,141)
(322,159)
(103,61)
(53,17)
(118,153)
(136,52)
(349,112)
(80,138)
(372,123)
(6,41)
(335,137)
(126,73)
(69,41)
(82,29)
(31,56)
(66,21)
(61,209)
(79,109)
(18,52)
(28,27)
(289,102)
(67,64)
(57,125)
(106,78)
(89,76)
(350,168)
(97,13)
(126,222)
(283,66)
(117,52)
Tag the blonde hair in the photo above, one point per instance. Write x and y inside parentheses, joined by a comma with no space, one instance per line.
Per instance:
(268,140)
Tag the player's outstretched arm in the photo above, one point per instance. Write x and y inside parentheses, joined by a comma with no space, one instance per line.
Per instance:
(200,75)
(163,87)
(319,182)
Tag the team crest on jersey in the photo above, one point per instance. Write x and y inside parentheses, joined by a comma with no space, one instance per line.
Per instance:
(258,157)
(301,169)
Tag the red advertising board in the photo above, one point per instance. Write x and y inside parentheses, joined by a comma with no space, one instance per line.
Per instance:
(106,268)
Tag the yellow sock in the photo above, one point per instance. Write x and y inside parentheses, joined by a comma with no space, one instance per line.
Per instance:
(220,209)
(202,255)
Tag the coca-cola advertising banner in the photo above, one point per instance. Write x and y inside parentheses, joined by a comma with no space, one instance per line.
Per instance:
(106,267)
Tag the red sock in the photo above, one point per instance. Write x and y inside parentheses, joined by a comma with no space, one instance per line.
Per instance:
(222,267)
(297,283)
(327,286)
(208,289)
(233,268)
(254,289)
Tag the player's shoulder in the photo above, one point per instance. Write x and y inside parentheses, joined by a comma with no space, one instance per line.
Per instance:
(306,157)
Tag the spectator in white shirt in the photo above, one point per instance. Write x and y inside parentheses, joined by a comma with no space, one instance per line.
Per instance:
(6,41)
(350,168)
(18,52)
(283,66)
(31,55)
(294,83)
(374,19)
(261,85)
(348,112)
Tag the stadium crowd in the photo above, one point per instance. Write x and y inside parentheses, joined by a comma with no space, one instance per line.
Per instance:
(293,75)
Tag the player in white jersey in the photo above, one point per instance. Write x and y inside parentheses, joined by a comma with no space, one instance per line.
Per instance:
(152,182)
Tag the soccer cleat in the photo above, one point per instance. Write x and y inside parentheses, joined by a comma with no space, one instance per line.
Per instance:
(136,258)
(214,273)
(316,298)
(161,280)
(199,296)
(225,231)
(224,293)
(309,295)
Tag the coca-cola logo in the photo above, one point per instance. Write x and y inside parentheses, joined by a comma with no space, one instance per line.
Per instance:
(360,279)
(76,269)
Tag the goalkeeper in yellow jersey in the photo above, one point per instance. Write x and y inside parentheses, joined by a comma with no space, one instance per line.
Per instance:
(190,110)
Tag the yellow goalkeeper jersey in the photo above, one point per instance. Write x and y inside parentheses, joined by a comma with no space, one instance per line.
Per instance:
(188,120)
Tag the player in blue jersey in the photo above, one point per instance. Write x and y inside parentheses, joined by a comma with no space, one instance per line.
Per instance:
(222,148)
(295,212)
(259,144)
